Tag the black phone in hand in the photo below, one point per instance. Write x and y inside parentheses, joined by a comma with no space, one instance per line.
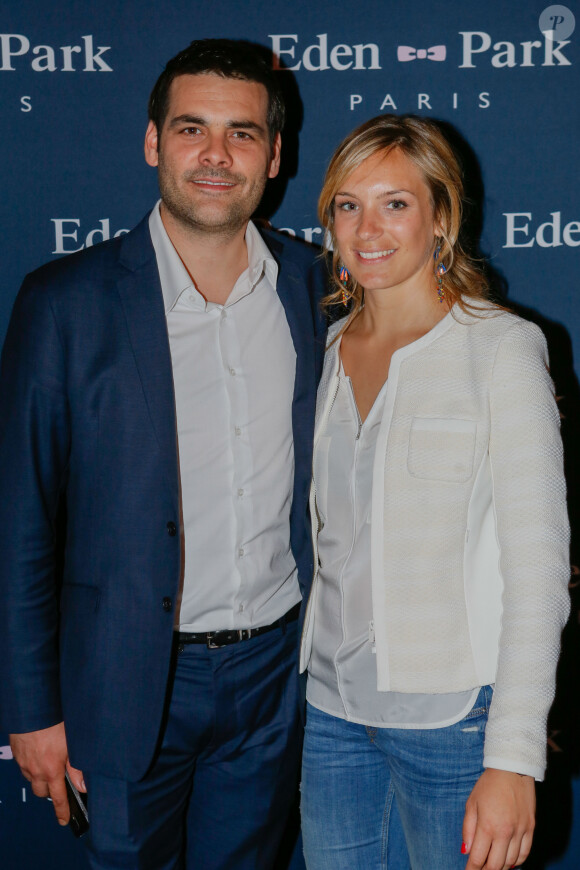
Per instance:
(77,801)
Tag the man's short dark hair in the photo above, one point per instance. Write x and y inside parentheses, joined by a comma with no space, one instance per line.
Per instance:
(229,58)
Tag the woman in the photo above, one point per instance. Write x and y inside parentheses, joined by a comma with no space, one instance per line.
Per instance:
(441,533)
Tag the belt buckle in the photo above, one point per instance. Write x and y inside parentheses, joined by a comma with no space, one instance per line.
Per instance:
(210,643)
(244,633)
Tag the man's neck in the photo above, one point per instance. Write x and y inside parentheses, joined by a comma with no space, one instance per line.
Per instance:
(214,261)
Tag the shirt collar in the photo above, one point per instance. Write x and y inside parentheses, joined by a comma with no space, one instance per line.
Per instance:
(175,278)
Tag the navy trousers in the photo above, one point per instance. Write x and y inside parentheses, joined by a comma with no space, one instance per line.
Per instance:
(220,791)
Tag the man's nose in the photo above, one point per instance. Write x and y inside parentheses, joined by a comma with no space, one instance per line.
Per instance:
(215,150)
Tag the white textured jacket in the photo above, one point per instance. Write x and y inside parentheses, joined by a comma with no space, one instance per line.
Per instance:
(469,528)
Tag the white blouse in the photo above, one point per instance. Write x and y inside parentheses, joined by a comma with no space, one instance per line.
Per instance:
(342,676)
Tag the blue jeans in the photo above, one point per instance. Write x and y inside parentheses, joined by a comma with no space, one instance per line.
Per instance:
(376,798)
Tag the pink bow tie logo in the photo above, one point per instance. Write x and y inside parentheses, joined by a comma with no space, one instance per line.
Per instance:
(436,52)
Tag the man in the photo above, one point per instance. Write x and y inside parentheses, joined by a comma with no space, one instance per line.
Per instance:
(162,387)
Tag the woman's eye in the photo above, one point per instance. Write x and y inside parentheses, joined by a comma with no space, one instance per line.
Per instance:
(346,206)
(397,204)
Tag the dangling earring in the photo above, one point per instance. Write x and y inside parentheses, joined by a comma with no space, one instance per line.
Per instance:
(440,270)
(343,276)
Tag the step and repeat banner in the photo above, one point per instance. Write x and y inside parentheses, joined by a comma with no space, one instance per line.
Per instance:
(503,77)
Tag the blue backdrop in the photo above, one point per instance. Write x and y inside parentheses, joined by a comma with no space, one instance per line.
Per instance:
(75,79)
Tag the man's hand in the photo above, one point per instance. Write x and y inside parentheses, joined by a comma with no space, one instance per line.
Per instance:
(499,820)
(43,758)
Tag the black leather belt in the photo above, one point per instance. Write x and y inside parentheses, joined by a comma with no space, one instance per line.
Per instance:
(217,639)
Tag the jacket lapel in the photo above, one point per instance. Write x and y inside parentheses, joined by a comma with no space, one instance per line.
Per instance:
(293,295)
(140,292)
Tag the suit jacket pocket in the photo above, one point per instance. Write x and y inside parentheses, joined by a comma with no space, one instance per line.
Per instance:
(441,449)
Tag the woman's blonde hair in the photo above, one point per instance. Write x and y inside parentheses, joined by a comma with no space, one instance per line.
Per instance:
(424,144)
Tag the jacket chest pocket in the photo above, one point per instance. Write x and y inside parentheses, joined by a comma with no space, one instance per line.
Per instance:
(441,449)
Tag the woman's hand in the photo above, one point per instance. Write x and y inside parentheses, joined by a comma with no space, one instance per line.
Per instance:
(499,820)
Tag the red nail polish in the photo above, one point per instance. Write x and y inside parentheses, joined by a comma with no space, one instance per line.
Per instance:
(463,849)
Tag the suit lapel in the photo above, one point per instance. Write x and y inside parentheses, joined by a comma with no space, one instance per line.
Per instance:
(294,298)
(142,301)
(293,295)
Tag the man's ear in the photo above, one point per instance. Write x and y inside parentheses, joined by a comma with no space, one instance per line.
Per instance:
(275,160)
(151,143)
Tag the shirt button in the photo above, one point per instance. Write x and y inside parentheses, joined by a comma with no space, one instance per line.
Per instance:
(167,604)
(171,529)
(240,492)
(232,371)
(237,430)
(241,551)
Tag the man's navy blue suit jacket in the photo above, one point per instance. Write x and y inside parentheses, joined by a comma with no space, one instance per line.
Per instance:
(87,417)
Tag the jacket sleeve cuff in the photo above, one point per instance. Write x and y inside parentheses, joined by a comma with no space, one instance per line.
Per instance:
(514,766)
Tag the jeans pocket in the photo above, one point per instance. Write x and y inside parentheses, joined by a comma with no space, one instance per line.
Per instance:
(482,704)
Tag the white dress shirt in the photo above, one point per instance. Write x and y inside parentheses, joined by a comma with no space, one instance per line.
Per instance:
(233,370)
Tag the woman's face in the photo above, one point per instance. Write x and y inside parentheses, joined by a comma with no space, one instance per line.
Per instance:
(385,226)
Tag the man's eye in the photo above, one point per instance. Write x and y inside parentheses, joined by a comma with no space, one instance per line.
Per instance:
(191,131)
(241,134)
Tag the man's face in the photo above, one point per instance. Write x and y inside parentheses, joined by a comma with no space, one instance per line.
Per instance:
(214,154)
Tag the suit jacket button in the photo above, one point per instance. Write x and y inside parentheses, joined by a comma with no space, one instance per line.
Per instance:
(171,529)
(167,604)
